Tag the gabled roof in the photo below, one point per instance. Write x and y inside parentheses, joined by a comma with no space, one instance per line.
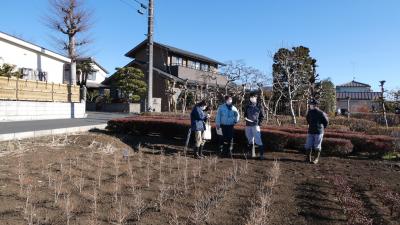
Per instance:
(358,95)
(91,59)
(354,84)
(32,47)
(132,52)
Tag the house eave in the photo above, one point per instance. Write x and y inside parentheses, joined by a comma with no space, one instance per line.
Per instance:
(33,47)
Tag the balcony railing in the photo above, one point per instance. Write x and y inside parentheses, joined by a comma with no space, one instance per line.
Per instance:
(195,68)
(194,74)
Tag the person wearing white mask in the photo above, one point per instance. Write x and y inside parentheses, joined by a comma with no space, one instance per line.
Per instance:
(227,117)
(254,115)
(198,120)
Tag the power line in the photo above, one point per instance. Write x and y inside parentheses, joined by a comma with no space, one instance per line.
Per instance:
(128,3)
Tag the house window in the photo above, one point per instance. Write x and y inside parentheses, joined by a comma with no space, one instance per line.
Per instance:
(191,64)
(92,76)
(197,65)
(204,67)
(177,60)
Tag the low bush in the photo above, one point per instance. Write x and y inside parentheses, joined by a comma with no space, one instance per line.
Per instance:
(374,144)
(273,139)
(393,119)
(358,125)
(297,141)
(336,147)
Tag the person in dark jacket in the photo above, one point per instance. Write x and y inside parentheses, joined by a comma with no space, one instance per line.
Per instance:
(198,120)
(253,115)
(317,122)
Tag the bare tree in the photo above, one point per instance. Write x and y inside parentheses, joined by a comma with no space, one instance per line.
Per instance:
(291,72)
(233,72)
(72,20)
(170,92)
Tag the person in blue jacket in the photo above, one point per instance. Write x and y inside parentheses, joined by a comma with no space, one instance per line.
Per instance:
(227,117)
(198,120)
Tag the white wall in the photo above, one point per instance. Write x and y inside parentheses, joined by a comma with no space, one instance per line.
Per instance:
(26,110)
(100,75)
(24,57)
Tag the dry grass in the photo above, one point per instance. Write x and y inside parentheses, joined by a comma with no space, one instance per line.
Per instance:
(260,207)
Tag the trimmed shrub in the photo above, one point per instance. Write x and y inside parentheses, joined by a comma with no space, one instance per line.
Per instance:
(336,147)
(297,141)
(274,140)
(374,144)
(358,125)
(393,119)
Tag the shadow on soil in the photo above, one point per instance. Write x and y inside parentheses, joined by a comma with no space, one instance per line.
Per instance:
(316,206)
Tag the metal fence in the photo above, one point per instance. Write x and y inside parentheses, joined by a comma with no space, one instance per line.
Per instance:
(30,90)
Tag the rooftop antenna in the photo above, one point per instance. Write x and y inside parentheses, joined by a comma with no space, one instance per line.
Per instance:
(353,67)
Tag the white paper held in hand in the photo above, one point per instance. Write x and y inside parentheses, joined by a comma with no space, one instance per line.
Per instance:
(251,121)
(207,133)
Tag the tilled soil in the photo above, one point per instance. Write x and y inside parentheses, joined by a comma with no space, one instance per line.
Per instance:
(51,180)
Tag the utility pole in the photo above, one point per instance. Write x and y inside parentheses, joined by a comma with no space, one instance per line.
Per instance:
(383,103)
(150,54)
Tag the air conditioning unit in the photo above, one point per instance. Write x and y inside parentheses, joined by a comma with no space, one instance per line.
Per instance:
(43,76)
(27,74)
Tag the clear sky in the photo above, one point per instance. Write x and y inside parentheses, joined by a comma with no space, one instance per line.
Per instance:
(349,38)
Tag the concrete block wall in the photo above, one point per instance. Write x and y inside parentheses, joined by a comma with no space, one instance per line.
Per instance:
(27,110)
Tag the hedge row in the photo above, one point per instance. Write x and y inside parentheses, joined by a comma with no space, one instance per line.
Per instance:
(274,140)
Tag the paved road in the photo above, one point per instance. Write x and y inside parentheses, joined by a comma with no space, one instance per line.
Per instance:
(93,118)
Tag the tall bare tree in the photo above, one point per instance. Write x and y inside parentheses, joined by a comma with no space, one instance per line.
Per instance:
(72,20)
(184,97)
(292,69)
(233,72)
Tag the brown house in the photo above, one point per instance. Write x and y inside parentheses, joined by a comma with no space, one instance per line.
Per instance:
(178,67)
(358,96)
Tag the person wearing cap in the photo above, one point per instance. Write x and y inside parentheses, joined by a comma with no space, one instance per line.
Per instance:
(317,122)
(198,120)
(253,115)
(227,117)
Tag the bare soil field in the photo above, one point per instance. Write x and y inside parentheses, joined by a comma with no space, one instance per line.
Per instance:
(85,179)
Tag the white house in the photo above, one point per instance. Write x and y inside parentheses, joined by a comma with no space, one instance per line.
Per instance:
(41,92)
(95,79)
(36,63)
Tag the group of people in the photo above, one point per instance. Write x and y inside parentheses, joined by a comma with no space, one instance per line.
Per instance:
(228,116)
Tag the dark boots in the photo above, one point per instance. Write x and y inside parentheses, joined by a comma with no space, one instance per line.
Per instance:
(200,152)
(196,151)
(230,152)
(309,155)
(261,148)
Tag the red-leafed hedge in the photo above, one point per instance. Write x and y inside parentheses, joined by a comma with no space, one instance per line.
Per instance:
(273,139)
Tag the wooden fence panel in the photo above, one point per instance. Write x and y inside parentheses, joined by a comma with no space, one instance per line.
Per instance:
(7,89)
(17,89)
